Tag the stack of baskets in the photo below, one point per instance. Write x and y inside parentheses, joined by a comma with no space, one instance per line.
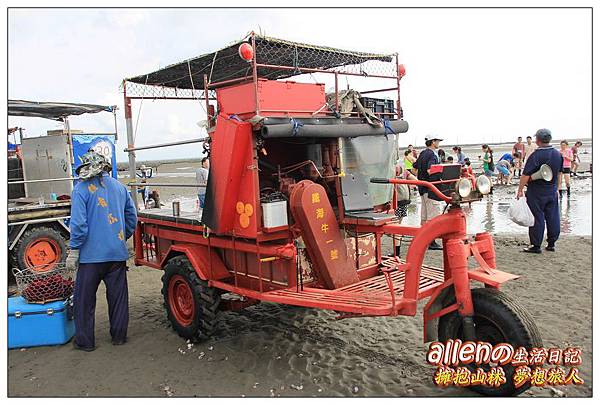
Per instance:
(40,285)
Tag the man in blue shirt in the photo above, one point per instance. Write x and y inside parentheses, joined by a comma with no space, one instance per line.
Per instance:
(103,217)
(508,157)
(542,195)
(505,167)
(429,201)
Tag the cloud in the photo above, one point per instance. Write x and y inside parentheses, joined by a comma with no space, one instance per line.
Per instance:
(472,74)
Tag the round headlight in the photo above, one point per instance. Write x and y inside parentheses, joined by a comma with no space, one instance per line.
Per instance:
(463,187)
(484,184)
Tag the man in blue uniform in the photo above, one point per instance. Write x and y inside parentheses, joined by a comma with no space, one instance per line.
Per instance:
(103,217)
(429,201)
(542,195)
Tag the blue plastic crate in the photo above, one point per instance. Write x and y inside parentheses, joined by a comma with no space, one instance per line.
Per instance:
(32,325)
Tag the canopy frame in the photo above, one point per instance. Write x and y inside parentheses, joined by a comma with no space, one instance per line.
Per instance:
(58,111)
(198,78)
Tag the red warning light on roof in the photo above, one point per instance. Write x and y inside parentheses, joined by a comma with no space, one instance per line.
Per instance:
(246,52)
(401,70)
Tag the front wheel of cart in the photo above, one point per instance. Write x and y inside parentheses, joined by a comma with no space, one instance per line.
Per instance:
(191,304)
(498,318)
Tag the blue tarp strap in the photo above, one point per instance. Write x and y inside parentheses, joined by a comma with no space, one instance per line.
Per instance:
(388,127)
(295,126)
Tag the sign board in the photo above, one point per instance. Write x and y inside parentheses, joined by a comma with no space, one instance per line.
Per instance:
(104,144)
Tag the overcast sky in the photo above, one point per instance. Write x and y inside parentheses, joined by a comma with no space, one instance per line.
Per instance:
(472,75)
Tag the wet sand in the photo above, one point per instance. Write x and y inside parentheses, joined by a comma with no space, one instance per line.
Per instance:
(278,350)
(489,215)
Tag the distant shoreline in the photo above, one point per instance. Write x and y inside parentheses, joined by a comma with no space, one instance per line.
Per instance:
(122,166)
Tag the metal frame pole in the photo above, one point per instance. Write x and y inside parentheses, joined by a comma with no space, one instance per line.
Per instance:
(162,145)
(116,132)
(255,73)
(398,106)
(130,143)
(41,180)
(337,95)
(208,117)
(69,138)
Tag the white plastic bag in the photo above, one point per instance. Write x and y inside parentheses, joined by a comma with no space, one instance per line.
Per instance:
(520,213)
(403,192)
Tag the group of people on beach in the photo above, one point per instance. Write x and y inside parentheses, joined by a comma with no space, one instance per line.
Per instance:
(511,163)
(519,163)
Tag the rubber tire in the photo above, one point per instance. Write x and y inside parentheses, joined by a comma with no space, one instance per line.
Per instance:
(508,315)
(36,232)
(206,301)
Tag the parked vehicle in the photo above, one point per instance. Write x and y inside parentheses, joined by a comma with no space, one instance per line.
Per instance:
(41,180)
(300,195)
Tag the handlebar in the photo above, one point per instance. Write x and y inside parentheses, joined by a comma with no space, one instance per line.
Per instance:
(429,185)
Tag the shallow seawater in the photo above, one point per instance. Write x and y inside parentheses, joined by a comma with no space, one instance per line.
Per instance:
(491,213)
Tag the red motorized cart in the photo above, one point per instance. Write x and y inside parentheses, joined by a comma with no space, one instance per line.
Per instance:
(300,197)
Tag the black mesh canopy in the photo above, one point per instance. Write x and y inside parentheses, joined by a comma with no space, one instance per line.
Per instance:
(52,110)
(226,64)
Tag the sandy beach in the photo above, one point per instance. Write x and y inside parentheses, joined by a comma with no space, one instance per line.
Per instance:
(277,350)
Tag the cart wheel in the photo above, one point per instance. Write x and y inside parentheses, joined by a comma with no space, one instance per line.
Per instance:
(40,247)
(191,304)
(498,319)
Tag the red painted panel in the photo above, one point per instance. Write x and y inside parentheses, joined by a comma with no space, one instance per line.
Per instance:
(275,99)
(248,219)
(236,99)
(247,264)
(207,269)
(232,145)
(321,234)
(290,96)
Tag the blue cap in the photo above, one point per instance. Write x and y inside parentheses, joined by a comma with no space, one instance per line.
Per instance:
(544,135)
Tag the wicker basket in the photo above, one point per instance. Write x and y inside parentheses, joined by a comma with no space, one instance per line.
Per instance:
(39,286)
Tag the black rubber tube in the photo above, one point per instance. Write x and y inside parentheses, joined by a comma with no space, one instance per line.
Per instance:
(379,180)
(331,131)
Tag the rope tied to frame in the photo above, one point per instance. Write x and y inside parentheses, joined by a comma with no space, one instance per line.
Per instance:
(295,60)
(137,121)
(194,87)
(212,66)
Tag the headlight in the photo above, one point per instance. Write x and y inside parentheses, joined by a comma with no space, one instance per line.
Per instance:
(484,184)
(463,187)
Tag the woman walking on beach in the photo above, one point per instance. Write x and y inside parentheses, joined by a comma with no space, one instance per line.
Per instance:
(488,164)
(403,195)
(565,173)
(517,163)
(488,161)
(576,161)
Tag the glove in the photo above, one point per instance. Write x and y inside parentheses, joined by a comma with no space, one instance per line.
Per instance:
(72,261)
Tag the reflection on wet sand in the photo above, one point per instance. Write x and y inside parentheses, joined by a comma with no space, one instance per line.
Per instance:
(565,213)
(491,213)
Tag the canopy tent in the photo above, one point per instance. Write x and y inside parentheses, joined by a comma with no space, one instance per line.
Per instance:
(226,64)
(53,110)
